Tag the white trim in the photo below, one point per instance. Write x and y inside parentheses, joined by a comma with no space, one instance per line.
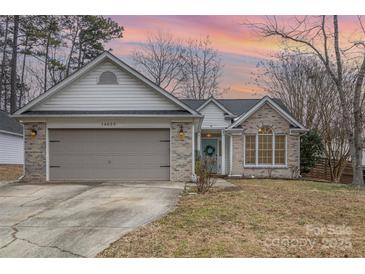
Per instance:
(193,151)
(230,155)
(198,147)
(102,57)
(264,100)
(170,150)
(10,133)
(213,100)
(47,154)
(106,115)
(98,125)
(223,144)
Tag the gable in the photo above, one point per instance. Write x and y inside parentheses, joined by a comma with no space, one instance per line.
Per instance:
(214,117)
(86,93)
(267,101)
(266,115)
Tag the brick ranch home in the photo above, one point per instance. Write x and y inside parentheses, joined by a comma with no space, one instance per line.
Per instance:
(108,122)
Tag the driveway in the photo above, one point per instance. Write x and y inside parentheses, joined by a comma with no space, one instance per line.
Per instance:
(77,219)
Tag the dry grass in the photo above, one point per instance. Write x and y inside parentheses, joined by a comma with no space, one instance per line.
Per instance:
(265,218)
(10,172)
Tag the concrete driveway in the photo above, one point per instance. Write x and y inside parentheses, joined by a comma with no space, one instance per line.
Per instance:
(77,219)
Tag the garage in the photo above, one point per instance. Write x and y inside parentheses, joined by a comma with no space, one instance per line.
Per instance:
(109,154)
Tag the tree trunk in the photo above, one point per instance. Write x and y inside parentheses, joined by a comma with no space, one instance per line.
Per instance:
(46,63)
(3,61)
(356,151)
(68,65)
(13,74)
(354,135)
(21,95)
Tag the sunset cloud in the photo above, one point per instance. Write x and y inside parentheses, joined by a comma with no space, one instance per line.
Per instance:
(240,48)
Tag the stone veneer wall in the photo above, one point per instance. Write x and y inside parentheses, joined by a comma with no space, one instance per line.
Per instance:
(266,116)
(181,153)
(35,152)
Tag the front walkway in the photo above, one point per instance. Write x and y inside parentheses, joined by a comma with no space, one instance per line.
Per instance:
(77,220)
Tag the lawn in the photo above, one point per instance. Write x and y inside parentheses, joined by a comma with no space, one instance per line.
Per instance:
(263,218)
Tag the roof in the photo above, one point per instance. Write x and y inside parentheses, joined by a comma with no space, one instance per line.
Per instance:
(236,106)
(106,112)
(8,124)
(102,57)
(286,115)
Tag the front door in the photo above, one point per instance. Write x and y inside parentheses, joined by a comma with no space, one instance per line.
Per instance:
(210,153)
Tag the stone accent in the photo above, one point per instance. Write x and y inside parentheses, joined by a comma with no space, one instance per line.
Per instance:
(181,153)
(35,152)
(265,116)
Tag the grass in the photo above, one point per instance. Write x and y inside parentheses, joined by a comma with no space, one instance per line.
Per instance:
(264,218)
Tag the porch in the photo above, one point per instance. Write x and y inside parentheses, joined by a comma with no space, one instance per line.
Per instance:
(214,144)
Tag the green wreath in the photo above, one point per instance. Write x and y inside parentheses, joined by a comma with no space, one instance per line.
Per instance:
(209,150)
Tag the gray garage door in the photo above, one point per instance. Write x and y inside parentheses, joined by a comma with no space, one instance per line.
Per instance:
(109,154)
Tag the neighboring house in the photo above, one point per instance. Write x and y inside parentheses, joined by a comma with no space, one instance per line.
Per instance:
(108,122)
(11,141)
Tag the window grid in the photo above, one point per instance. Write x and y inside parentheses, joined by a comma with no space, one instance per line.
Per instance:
(265,148)
(280,149)
(250,156)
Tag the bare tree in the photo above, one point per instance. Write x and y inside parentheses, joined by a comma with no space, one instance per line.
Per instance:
(320,35)
(202,70)
(160,60)
(189,69)
(303,85)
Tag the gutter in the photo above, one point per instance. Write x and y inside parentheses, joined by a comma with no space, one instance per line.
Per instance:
(11,133)
(104,115)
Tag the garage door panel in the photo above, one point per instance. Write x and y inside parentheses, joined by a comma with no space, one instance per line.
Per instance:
(94,154)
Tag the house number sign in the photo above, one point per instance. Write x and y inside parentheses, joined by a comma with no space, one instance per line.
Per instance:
(108,124)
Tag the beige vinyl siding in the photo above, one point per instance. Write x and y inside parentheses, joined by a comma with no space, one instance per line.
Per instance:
(11,149)
(213,117)
(86,94)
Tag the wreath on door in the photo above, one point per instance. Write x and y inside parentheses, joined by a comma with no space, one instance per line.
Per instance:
(209,150)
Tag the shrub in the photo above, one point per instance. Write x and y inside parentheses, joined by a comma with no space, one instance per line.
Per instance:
(311,149)
(204,175)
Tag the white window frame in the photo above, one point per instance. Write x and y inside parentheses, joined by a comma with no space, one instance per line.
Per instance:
(273,165)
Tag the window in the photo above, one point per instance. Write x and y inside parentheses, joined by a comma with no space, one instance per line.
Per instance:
(108,78)
(265,148)
(280,149)
(250,157)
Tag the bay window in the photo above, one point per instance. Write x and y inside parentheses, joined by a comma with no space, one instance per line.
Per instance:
(265,148)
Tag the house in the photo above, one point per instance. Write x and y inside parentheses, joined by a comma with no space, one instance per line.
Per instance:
(108,122)
(11,141)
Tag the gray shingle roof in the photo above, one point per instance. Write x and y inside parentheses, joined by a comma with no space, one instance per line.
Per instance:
(9,124)
(236,106)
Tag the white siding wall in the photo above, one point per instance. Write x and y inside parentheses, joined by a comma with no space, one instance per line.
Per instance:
(213,117)
(11,149)
(86,94)
(228,152)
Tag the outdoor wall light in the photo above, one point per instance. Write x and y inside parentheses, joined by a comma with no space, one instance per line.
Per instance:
(181,133)
(209,135)
(33,133)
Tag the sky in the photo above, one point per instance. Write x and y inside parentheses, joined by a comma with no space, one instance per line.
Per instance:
(239,47)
